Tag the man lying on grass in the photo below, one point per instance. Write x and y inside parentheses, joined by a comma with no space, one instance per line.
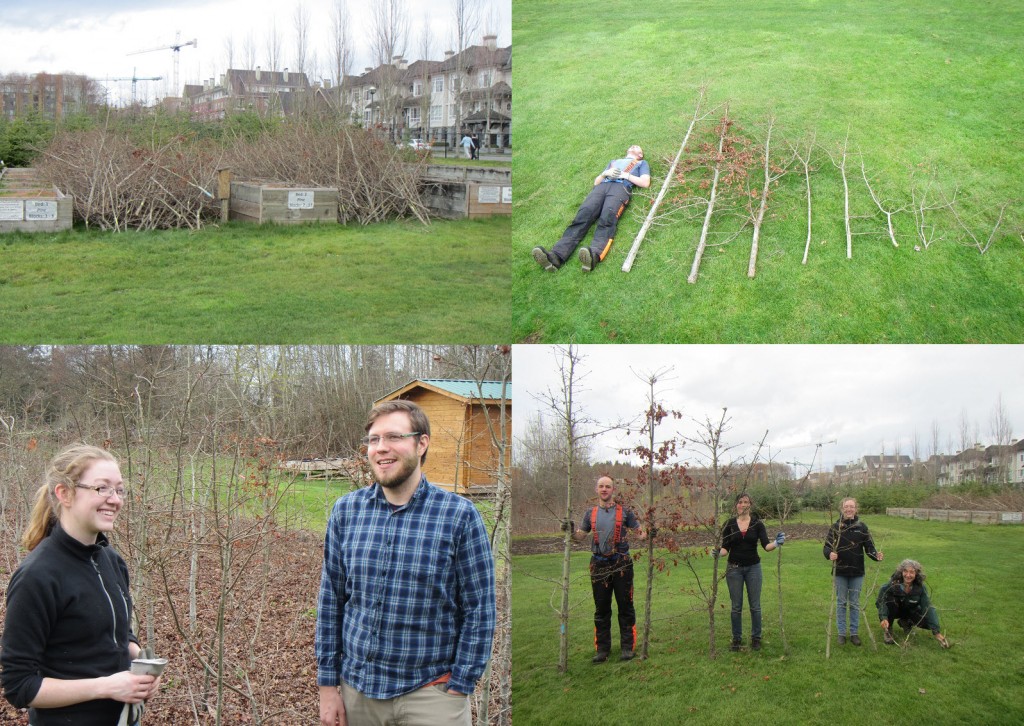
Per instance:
(905,599)
(606,202)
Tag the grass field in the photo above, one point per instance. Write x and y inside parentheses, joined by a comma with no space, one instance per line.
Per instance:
(938,83)
(393,282)
(980,680)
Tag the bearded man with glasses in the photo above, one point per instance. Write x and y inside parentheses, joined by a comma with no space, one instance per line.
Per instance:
(406,610)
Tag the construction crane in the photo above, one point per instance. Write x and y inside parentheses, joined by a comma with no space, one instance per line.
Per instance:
(176,46)
(134,79)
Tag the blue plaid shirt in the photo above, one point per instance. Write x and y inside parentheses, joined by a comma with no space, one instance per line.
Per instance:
(405,595)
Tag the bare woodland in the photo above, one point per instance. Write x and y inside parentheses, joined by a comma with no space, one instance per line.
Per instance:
(225,571)
(724,177)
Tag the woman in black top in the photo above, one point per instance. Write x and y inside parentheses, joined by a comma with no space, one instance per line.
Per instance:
(67,643)
(740,538)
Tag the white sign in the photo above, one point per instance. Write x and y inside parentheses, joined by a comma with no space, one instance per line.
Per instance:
(12,210)
(1013,516)
(37,210)
(300,200)
(488,195)
(506,195)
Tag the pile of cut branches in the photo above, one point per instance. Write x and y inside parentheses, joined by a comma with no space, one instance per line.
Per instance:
(119,184)
(374,182)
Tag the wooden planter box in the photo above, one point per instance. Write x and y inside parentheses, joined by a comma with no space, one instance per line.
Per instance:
(30,205)
(455,191)
(261,202)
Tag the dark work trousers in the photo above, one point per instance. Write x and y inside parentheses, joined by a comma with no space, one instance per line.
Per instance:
(910,617)
(604,205)
(608,578)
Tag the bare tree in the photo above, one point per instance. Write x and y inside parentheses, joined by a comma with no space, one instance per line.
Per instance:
(723,130)
(715,481)
(426,91)
(841,165)
(978,239)
(885,207)
(341,47)
(772,174)
(466,23)
(273,45)
(389,32)
(921,204)
(300,25)
(665,516)
(628,264)
(805,154)
(229,52)
(249,51)
(1002,432)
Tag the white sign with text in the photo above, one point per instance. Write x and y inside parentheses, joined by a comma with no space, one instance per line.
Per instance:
(300,200)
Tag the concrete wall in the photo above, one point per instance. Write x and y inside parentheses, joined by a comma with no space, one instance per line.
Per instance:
(957,515)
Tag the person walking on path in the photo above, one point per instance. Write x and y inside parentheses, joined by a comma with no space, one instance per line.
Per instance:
(846,543)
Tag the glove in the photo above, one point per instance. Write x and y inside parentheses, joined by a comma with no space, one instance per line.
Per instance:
(780,539)
(613,173)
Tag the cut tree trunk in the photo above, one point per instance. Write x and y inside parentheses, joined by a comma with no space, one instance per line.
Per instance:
(628,264)
(711,202)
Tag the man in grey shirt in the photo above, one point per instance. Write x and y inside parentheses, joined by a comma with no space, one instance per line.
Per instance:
(611,570)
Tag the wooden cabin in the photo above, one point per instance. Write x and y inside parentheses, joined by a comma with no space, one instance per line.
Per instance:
(462,456)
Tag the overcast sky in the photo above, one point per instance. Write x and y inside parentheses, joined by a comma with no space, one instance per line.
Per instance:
(869,398)
(94,37)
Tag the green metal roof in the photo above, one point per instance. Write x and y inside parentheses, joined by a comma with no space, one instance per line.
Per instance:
(470,389)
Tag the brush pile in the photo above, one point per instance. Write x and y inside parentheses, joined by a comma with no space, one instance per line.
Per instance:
(119,183)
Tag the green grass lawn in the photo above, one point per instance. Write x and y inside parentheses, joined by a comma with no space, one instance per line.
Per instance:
(970,575)
(938,83)
(306,503)
(393,282)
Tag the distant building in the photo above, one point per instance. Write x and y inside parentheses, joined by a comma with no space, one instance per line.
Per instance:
(874,469)
(437,101)
(274,93)
(52,96)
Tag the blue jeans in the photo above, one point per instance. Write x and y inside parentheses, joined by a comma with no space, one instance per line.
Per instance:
(848,593)
(735,577)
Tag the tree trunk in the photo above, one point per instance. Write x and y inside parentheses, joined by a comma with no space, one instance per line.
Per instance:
(628,264)
(711,202)
(759,217)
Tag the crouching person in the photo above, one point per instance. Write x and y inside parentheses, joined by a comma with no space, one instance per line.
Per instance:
(904,599)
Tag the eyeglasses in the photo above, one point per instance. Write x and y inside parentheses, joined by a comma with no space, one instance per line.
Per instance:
(105,490)
(369,441)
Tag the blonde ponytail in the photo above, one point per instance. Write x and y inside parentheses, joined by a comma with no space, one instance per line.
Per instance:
(41,521)
(65,468)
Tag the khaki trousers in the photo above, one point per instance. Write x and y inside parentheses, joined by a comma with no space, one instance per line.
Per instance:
(425,706)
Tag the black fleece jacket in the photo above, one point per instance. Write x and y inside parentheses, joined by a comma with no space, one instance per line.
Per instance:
(742,547)
(68,617)
(850,539)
